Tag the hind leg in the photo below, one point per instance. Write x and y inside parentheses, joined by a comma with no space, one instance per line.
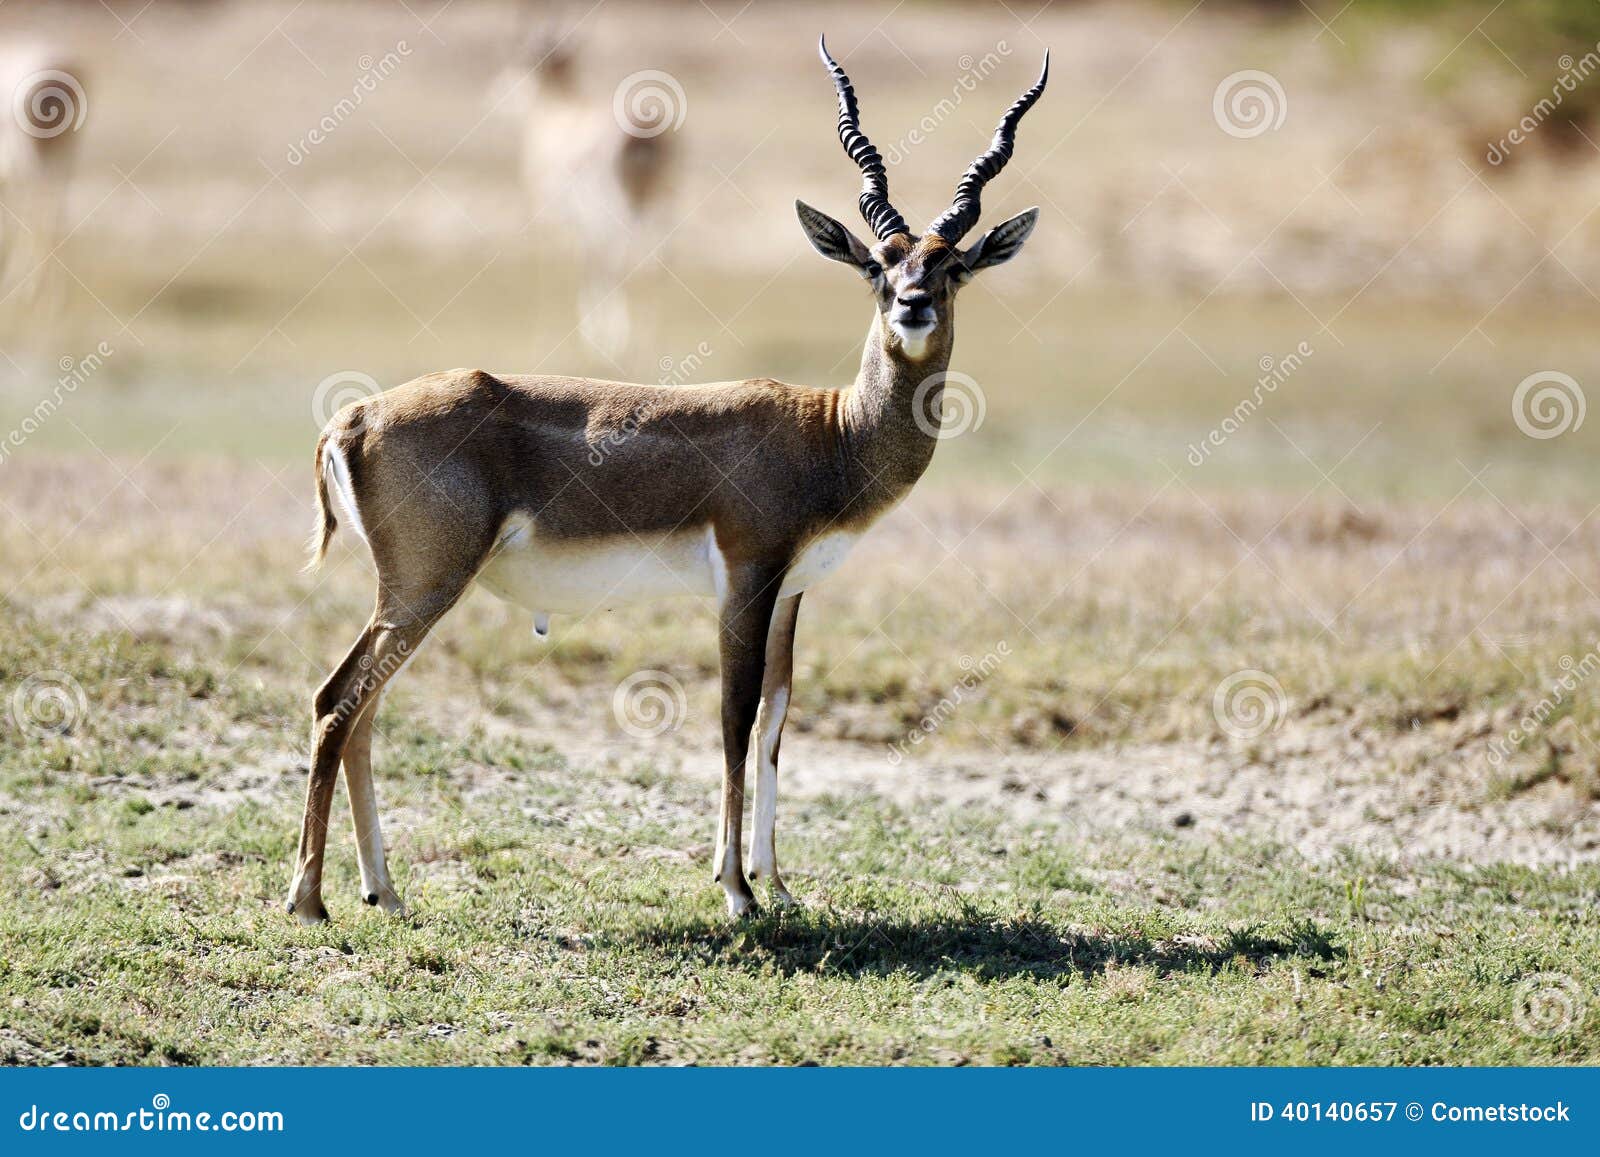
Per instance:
(429,530)
(383,648)
(329,729)
(338,705)
(376,887)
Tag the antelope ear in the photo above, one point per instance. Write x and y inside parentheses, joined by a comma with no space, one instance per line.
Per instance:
(832,239)
(998,245)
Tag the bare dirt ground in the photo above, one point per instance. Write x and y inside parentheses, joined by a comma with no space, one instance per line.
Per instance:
(1320,788)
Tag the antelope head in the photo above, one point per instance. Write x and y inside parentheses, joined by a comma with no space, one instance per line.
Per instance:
(914,279)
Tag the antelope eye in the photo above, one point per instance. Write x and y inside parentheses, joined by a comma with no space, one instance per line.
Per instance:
(872,271)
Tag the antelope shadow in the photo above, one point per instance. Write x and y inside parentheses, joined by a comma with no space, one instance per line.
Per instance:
(985,946)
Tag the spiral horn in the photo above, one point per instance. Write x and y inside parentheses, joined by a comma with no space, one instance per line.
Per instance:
(884,219)
(957,221)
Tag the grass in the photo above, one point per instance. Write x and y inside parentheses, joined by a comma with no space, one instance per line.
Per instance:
(556,917)
(558,878)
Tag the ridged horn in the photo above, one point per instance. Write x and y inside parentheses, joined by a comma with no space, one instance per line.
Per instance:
(957,221)
(884,219)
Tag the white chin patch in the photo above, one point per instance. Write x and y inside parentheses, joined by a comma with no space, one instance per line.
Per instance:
(914,342)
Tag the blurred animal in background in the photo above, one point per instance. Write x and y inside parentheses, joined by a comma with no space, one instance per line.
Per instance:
(46,105)
(595,168)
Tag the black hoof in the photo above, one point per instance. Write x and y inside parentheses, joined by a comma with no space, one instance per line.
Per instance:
(372,898)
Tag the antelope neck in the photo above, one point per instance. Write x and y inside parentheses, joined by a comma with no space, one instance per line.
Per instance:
(886,443)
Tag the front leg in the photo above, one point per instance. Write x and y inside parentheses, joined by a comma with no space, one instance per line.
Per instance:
(744,623)
(777,682)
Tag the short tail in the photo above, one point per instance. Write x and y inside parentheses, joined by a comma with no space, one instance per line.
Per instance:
(326,522)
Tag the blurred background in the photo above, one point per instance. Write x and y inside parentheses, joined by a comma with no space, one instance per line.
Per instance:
(1289,381)
(234,262)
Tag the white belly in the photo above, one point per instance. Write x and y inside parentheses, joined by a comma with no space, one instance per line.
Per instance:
(576,579)
(597,576)
(817,561)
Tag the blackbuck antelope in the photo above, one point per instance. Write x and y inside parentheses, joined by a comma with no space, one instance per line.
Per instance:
(595,170)
(38,138)
(746,492)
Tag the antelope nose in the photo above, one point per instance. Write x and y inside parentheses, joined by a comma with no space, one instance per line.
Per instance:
(914,307)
